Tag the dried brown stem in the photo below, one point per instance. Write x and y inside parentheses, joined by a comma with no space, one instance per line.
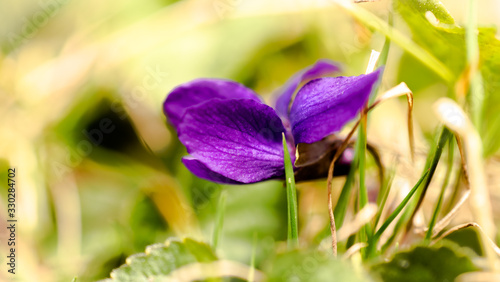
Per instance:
(329,185)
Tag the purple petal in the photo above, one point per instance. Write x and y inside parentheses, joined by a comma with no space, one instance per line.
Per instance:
(202,171)
(238,139)
(199,91)
(319,69)
(323,106)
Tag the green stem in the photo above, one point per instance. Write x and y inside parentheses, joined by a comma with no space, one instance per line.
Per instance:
(219,220)
(394,214)
(451,151)
(383,195)
(430,167)
(251,274)
(456,190)
(343,202)
(476,93)
(291,194)
(443,138)
(384,54)
(363,193)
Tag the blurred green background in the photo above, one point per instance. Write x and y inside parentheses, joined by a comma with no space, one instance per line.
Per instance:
(99,175)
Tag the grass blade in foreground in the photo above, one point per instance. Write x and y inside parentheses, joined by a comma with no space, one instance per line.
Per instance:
(372,21)
(291,195)
(476,91)
(343,201)
(219,220)
(363,193)
(431,169)
(431,163)
(251,273)
(437,209)
(394,214)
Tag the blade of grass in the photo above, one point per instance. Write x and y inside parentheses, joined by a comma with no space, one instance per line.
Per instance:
(343,201)
(365,232)
(436,155)
(454,195)
(405,217)
(291,194)
(382,198)
(437,209)
(476,91)
(372,21)
(384,54)
(372,245)
(219,220)
(400,207)
(251,273)
(352,239)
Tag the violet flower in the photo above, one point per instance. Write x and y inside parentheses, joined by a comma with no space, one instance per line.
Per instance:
(234,138)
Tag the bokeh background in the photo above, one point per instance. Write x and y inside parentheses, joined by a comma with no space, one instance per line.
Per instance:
(98,167)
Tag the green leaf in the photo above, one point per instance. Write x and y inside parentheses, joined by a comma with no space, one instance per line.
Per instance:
(489,52)
(443,262)
(372,21)
(476,90)
(291,194)
(467,238)
(446,41)
(313,266)
(161,259)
